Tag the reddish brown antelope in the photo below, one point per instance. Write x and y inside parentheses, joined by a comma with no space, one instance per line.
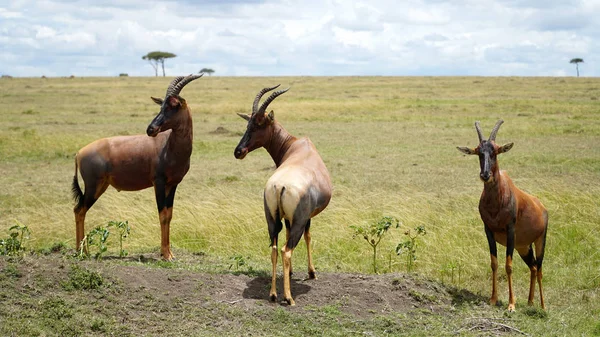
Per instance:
(133,163)
(299,189)
(510,216)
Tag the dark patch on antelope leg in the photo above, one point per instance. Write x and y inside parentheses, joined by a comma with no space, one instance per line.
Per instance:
(307,238)
(287,238)
(301,216)
(171,197)
(274,226)
(493,263)
(529,259)
(161,203)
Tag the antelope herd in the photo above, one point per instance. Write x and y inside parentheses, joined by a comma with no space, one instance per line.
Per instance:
(299,189)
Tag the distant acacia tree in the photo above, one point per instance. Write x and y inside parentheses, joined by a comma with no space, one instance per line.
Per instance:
(207,71)
(158,57)
(576,61)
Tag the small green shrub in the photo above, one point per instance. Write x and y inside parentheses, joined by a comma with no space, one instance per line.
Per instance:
(374,232)
(95,238)
(124,229)
(98,238)
(409,246)
(237,261)
(13,245)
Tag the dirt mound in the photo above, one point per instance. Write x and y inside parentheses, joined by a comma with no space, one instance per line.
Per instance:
(131,294)
(220,131)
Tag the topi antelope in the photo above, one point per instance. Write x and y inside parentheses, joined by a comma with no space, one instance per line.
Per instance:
(510,216)
(299,189)
(133,163)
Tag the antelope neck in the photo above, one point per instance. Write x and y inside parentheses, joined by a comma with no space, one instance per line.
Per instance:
(495,191)
(279,143)
(180,140)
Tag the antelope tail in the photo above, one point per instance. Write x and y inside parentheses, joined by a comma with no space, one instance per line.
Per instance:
(75,189)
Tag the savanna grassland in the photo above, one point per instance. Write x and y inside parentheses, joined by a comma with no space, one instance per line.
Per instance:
(390,146)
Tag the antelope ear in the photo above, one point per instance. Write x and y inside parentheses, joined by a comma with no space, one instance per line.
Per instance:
(271,116)
(505,147)
(466,150)
(158,101)
(244,116)
(173,101)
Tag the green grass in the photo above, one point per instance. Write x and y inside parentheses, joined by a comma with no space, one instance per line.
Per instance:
(389,143)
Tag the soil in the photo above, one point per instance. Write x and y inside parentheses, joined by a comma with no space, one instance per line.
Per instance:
(138,290)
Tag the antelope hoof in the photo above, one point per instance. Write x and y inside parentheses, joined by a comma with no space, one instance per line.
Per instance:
(168,256)
(511,308)
(273,297)
(290,301)
(493,301)
(311,275)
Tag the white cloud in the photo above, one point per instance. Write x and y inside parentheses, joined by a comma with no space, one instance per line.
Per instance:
(313,37)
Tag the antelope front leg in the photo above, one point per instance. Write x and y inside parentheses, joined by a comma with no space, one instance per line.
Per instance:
(164,203)
(510,246)
(286,254)
(494,264)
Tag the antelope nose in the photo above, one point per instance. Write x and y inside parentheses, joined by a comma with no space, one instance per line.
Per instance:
(485,176)
(150,131)
(240,152)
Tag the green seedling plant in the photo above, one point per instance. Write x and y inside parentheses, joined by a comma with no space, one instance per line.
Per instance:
(13,245)
(237,261)
(96,237)
(123,229)
(374,232)
(409,246)
(451,269)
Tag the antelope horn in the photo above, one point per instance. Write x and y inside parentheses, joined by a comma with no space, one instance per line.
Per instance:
(495,130)
(479,133)
(171,86)
(181,83)
(266,103)
(259,95)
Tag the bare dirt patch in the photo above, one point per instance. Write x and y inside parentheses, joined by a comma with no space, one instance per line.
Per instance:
(141,296)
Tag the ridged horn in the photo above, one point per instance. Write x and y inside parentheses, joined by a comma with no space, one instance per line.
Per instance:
(182,83)
(171,86)
(274,95)
(479,133)
(495,130)
(259,95)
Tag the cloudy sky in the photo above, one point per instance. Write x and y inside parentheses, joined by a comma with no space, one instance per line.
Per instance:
(301,37)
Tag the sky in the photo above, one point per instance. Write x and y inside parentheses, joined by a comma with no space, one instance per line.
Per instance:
(301,37)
